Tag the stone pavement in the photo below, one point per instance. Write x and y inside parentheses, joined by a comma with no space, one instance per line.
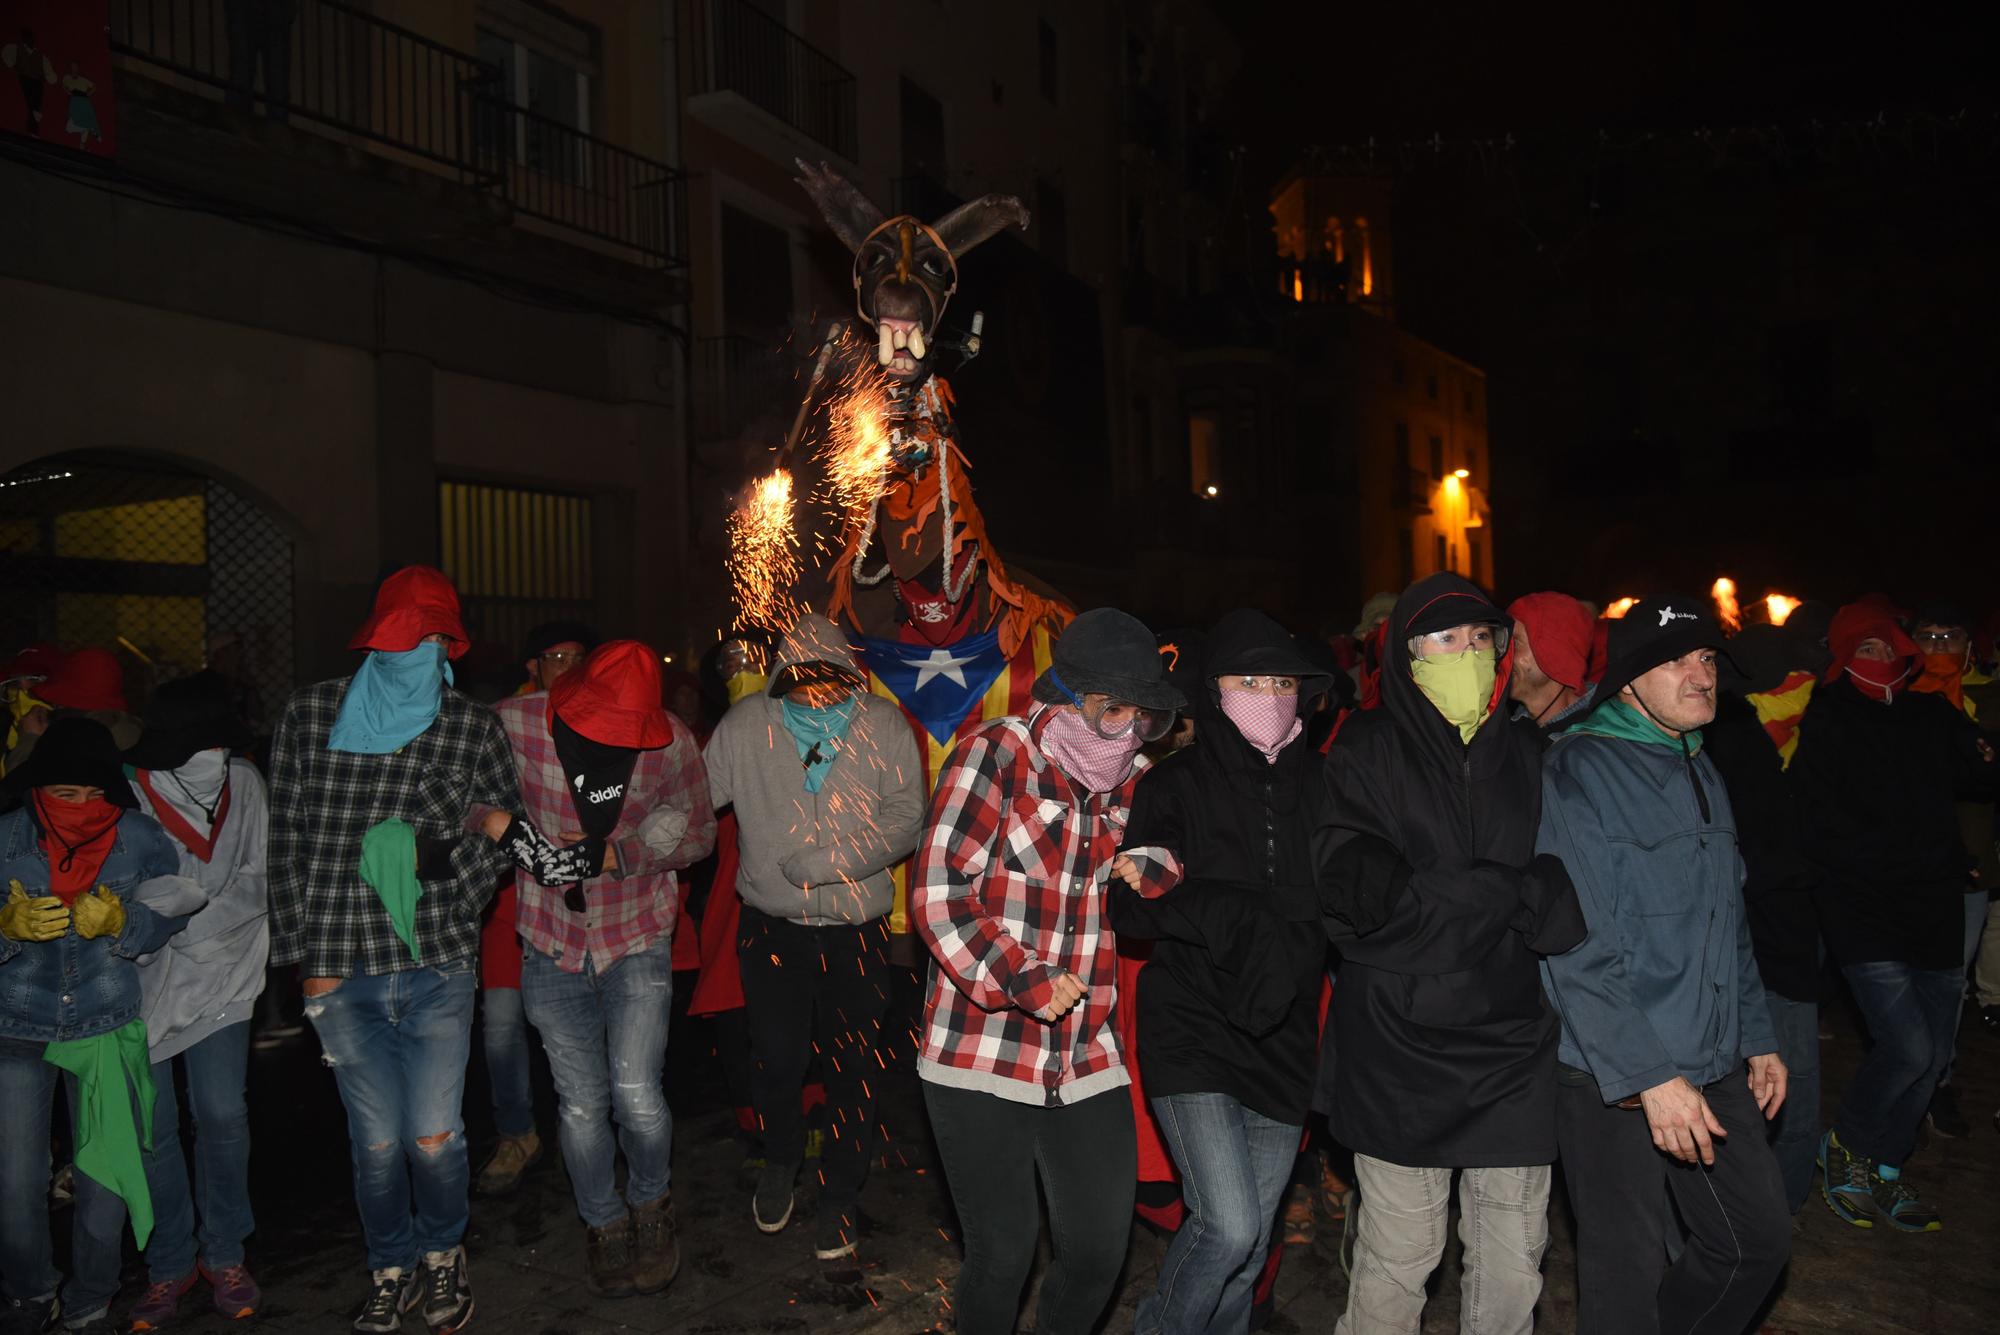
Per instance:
(527,1251)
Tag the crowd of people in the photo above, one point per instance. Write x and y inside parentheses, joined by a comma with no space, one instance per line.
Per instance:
(1476,890)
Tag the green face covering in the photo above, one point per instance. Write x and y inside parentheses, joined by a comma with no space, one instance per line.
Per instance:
(1460,685)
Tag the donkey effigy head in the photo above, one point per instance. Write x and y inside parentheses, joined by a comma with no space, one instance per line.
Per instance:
(905,270)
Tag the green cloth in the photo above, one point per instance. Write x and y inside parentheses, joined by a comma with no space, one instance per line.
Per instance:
(1615,718)
(389,865)
(110,1069)
(1460,685)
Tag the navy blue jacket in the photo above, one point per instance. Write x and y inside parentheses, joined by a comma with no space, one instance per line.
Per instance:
(69,987)
(1666,983)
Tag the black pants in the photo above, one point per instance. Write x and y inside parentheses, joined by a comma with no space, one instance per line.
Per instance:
(1086,1156)
(1739,1227)
(807,989)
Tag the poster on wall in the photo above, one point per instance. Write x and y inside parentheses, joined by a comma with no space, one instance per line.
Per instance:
(55,73)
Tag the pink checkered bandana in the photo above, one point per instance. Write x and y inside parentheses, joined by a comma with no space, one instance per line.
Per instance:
(1267,722)
(1098,763)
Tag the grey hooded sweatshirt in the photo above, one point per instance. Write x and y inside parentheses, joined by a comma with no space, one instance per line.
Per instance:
(817,858)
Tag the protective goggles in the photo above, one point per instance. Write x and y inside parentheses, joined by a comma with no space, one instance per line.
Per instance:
(1112,719)
(1457,639)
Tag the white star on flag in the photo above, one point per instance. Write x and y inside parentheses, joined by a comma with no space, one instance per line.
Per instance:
(941,663)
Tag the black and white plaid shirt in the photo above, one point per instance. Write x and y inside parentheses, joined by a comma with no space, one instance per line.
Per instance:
(322,802)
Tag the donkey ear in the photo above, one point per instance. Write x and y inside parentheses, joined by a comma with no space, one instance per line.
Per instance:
(846,210)
(979,220)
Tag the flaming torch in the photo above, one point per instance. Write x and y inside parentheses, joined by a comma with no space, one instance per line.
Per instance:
(1724,593)
(764,554)
(1618,607)
(1778,606)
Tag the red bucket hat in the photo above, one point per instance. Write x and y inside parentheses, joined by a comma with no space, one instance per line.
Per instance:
(414,602)
(89,679)
(1559,633)
(614,698)
(37,662)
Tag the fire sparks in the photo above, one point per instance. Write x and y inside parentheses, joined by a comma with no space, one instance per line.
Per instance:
(1778,606)
(1618,607)
(1726,608)
(764,555)
(856,453)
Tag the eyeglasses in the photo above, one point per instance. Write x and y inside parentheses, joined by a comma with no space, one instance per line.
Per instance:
(1259,685)
(1111,719)
(1942,641)
(562,657)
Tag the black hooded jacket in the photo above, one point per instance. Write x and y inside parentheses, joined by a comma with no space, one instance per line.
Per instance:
(1229,1000)
(1778,877)
(1441,1050)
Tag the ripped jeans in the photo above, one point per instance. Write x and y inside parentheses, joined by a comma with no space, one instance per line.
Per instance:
(398,1043)
(606,1036)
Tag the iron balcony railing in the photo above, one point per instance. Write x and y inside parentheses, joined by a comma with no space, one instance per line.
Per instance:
(340,70)
(741,49)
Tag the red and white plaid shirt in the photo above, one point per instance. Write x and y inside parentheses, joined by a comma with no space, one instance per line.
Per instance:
(1008,885)
(635,904)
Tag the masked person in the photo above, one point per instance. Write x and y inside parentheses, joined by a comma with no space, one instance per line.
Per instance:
(379,783)
(199,995)
(603,768)
(1020,1062)
(1878,770)
(1662,1006)
(1217,874)
(73,856)
(1550,681)
(1440,1049)
(827,788)
(27,712)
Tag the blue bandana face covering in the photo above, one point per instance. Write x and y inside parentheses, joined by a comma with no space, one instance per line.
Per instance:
(818,733)
(391,700)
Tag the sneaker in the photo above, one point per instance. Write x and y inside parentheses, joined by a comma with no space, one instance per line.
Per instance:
(1901,1208)
(447,1291)
(394,1294)
(32,1317)
(1336,1194)
(1848,1184)
(838,1232)
(1944,1117)
(161,1302)
(1299,1215)
(513,1156)
(656,1250)
(771,1207)
(607,1259)
(236,1294)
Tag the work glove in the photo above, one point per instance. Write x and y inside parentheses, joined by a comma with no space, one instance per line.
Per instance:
(25,919)
(99,913)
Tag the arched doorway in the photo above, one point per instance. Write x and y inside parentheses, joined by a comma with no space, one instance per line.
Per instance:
(172,569)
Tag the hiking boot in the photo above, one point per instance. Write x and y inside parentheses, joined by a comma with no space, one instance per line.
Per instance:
(236,1294)
(656,1250)
(445,1286)
(607,1258)
(838,1232)
(1945,1118)
(1900,1206)
(1299,1215)
(771,1207)
(394,1294)
(1848,1184)
(33,1317)
(513,1156)
(160,1303)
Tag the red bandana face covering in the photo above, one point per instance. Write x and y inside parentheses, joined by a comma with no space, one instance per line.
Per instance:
(1878,681)
(76,837)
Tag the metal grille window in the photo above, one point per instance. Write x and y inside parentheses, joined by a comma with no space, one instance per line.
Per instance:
(518,557)
(171,570)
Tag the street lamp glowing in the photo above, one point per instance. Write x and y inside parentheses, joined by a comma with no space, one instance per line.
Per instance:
(1461,473)
(1211,491)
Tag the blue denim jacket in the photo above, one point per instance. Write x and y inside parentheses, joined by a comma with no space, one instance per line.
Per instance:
(69,987)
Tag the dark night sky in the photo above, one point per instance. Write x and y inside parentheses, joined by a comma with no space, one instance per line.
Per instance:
(1775,364)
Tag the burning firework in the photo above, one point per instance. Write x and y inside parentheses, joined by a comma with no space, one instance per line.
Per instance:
(1778,606)
(764,555)
(1726,608)
(857,452)
(1619,607)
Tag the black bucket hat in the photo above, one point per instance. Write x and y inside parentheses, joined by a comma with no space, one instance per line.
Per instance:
(1108,652)
(1657,630)
(186,716)
(74,750)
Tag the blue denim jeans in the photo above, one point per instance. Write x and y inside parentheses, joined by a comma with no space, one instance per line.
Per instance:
(503,1033)
(1912,1017)
(398,1043)
(606,1036)
(1234,1166)
(27,1258)
(215,1072)
(1794,1132)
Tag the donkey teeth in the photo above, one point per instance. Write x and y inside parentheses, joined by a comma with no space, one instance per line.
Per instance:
(916,343)
(885,348)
